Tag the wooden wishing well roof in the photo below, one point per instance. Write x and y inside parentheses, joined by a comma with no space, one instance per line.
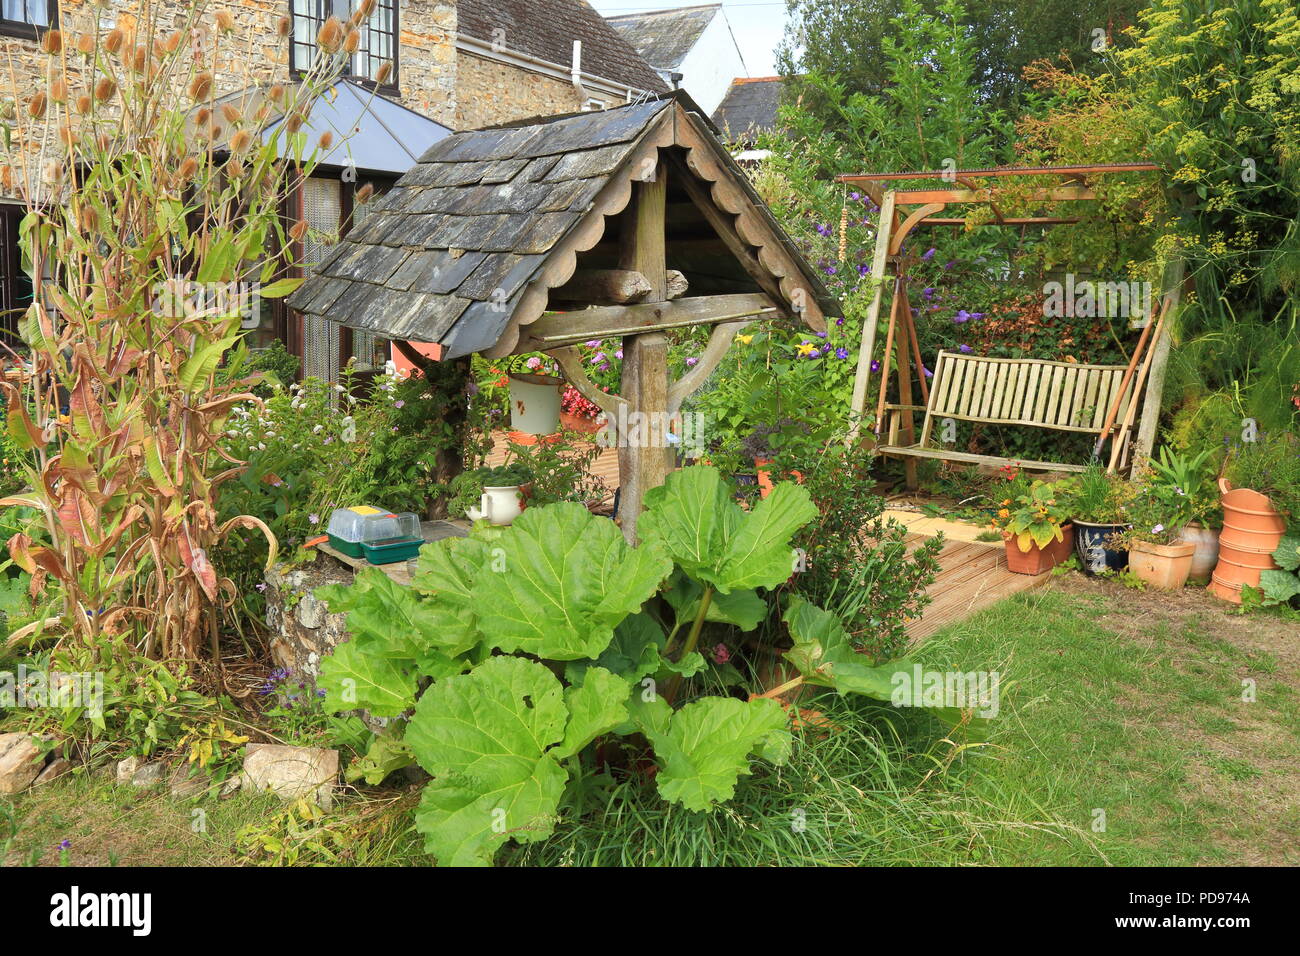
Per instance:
(465,248)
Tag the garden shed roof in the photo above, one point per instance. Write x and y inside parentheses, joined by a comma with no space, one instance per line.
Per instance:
(465,249)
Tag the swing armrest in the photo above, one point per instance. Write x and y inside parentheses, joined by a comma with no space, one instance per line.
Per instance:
(893,419)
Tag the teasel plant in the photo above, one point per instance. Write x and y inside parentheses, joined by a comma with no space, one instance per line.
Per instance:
(147,194)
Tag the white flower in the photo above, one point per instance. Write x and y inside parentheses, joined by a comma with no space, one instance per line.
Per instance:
(317,429)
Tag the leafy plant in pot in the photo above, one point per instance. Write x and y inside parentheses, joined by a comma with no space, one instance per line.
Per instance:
(1194,476)
(1158,513)
(1099,519)
(1036,526)
(490,493)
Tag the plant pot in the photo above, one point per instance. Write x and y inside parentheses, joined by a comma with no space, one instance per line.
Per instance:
(1206,555)
(500,504)
(1164,566)
(1252,530)
(1090,547)
(765,483)
(1037,560)
(579,423)
(535,403)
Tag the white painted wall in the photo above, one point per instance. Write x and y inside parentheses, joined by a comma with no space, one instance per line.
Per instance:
(712,64)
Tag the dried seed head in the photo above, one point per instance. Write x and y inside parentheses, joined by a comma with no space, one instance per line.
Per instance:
(365,8)
(330,35)
(352,41)
(294,122)
(240,141)
(83,103)
(384,72)
(188,168)
(203,117)
(326,139)
(201,86)
(59,91)
(283,26)
(52,42)
(105,88)
(231,113)
(36,106)
(85,44)
(216,132)
(298,230)
(88,218)
(234,168)
(68,135)
(114,40)
(140,58)
(365,192)
(173,41)
(225,22)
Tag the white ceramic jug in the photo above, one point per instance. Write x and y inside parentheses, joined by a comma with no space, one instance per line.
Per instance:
(499,504)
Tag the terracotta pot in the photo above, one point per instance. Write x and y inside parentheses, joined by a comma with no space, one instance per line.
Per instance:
(1164,566)
(765,482)
(1037,560)
(1206,555)
(579,423)
(1252,530)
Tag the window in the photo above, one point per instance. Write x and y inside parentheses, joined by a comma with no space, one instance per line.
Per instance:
(15,283)
(25,18)
(378,36)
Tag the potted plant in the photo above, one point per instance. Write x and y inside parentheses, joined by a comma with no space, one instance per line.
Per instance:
(1193,475)
(1036,526)
(1158,554)
(1099,520)
(1259,487)
(491,493)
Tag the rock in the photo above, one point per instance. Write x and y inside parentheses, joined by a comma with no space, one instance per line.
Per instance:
(183,786)
(20,762)
(149,774)
(230,786)
(126,769)
(304,632)
(310,612)
(55,768)
(292,772)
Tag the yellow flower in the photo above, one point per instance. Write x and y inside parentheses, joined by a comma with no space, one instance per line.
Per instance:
(806,348)
(744,339)
(1004,513)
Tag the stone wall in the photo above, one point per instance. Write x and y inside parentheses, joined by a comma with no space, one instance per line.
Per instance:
(489,92)
(252,53)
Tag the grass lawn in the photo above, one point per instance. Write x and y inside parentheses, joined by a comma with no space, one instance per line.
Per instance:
(1113,700)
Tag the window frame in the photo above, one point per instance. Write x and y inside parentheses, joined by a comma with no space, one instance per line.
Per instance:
(365,81)
(23,30)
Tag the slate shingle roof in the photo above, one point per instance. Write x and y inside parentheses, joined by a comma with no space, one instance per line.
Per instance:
(664,37)
(547,28)
(748,108)
(447,253)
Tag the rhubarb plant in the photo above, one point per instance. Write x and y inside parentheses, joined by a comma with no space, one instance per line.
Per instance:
(517,650)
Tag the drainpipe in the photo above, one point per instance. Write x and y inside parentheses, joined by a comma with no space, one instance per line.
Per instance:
(576,73)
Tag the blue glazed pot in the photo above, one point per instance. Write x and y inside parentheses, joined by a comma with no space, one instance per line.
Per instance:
(1092,550)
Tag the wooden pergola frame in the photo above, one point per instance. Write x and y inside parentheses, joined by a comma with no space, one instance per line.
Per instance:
(902,211)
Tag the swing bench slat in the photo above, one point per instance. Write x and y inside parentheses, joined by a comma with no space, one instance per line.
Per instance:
(1037,393)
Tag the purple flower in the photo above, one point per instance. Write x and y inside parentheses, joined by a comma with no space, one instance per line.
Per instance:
(864,269)
(1157,529)
(67,844)
(927,292)
(928,373)
(927,255)
(823,229)
(855,196)
(314,518)
(950,263)
(691,361)
(875,366)
(965,349)
(839,323)
(841,353)
(618,354)
(821,335)
(830,270)
(594,344)
(261,585)
(598,358)
(400,403)
(961,316)
(814,354)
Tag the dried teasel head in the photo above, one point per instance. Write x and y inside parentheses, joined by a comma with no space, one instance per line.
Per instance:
(37,105)
(52,42)
(326,139)
(384,72)
(188,168)
(83,103)
(231,112)
(234,168)
(240,141)
(365,192)
(85,44)
(114,39)
(352,42)
(225,22)
(140,58)
(283,26)
(293,122)
(203,117)
(88,219)
(298,230)
(59,91)
(173,41)
(330,36)
(68,136)
(365,8)
(105,87)
(201,86)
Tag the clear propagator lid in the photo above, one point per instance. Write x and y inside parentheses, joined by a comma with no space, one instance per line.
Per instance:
(365,523)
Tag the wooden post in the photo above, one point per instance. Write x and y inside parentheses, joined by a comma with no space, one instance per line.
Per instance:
(1146,434)
(643,448)
(868,346)
(906,357)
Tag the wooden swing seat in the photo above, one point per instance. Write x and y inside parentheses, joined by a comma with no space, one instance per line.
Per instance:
(1065,396)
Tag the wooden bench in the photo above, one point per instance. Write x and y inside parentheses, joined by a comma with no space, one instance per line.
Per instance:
(1065,396)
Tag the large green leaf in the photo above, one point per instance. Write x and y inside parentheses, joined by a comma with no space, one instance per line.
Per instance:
(561,582)
(1287,554)
(633,653)
(704,748)
(1279,587)
(596,706)
(354,679)
(715,541)
(446,573)
(485,736)
(391,620)
(745,609)
(824,655)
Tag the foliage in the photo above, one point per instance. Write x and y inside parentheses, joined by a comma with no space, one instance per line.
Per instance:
(1035,517)
(134,205)
(1282,586)
(1270,465)
(1100,496)
(1158,511)
(545,637)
